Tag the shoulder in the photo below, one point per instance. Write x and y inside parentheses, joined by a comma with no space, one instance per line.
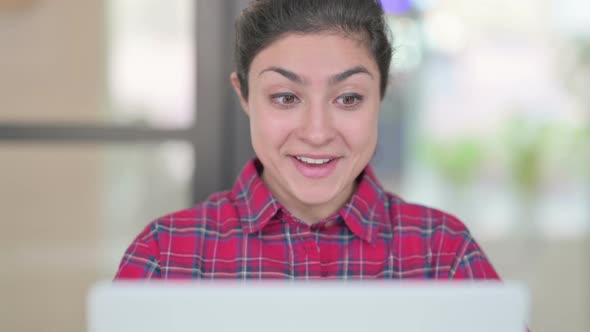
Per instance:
(428,220)
(215,214)
(426,228)
(444,240)
(172,242)
(398,215)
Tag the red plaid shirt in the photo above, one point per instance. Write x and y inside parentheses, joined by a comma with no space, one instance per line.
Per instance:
(246,233)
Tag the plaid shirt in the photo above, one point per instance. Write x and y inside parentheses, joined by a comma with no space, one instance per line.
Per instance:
(246,233)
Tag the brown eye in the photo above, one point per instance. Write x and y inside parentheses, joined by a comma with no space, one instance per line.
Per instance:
(349,100)
(288,99)
(285,99)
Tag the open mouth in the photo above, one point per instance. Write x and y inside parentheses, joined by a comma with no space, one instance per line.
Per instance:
(314,161)
(315,167)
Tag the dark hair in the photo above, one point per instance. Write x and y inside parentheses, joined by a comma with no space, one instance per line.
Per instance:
(264,21)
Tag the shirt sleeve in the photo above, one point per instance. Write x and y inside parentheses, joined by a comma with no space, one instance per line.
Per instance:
(472,263)
(142,258)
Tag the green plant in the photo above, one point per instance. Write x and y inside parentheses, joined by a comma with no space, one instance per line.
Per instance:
(458,160)
(526,141)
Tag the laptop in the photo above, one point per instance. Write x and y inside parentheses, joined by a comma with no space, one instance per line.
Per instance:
(323,306)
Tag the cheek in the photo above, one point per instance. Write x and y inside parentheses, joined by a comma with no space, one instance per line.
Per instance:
(269,130)
(361,134)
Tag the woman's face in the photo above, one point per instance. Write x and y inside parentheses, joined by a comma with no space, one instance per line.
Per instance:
(313,106)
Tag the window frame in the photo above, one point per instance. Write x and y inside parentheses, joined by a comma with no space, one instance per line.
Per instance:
(220,135)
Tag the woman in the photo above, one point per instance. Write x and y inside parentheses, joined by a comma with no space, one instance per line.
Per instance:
(310,75)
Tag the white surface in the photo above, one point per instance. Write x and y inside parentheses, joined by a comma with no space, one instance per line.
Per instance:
(308,306)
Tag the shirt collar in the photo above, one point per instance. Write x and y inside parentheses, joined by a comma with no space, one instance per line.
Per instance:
(363,214)
(256,205)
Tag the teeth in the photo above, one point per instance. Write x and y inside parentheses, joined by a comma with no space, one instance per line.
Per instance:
(313,161)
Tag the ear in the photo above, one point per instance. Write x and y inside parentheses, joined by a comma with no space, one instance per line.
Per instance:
(235,82)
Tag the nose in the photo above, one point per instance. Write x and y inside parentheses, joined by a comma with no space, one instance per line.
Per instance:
(317,125)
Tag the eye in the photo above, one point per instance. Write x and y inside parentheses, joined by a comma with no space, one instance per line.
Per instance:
(285,99)
(350,100)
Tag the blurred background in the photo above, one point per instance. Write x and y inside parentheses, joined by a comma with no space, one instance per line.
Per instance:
(115,112)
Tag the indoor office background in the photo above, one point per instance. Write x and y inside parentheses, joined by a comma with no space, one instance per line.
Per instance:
(115,112)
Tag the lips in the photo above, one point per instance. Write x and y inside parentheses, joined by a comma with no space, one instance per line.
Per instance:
(316,166)
(314,161)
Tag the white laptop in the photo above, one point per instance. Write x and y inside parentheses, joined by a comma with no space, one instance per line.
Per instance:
(308,306)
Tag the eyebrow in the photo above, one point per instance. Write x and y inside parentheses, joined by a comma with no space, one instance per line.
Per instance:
(338,78)
(291,76)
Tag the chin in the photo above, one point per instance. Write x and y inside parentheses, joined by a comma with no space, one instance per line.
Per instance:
(314,195)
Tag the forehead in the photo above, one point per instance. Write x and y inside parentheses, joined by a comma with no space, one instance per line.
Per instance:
(317,56)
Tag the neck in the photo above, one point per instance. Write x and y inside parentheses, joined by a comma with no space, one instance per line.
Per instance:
(309,213)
